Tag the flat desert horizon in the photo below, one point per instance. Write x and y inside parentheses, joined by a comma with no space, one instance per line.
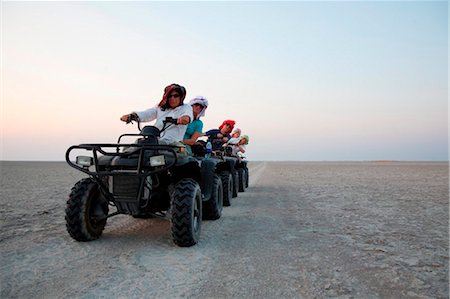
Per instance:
(277,161)
(303,229)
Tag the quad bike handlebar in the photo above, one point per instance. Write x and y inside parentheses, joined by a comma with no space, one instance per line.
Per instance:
(167,122)
(171,120)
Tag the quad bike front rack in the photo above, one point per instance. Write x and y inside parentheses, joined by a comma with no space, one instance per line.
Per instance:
(143,168)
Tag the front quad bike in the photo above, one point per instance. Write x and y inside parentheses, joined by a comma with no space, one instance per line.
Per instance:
(143,179)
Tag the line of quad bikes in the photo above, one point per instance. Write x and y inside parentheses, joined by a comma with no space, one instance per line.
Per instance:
(145,179)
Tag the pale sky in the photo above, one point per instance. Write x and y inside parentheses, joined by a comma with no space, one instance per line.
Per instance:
(307,81)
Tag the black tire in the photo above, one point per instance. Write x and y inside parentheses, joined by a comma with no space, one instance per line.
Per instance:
(186,213)
(143,216)
(227,185)
(241,179)
(246,177)
(235,183)
(86,211)
(212,209)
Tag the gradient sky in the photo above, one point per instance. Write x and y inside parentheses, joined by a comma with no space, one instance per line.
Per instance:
(305,80)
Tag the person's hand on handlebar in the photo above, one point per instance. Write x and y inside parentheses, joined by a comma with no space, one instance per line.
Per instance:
(183,120)
(129,117)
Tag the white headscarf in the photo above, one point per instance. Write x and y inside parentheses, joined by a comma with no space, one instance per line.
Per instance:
(202,101)
(236,131)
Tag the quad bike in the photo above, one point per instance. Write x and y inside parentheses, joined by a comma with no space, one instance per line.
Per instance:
(224,165)
(241,169)
(243,176)
(142,179)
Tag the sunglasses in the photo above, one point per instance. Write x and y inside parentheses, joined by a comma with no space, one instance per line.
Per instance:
(174,96)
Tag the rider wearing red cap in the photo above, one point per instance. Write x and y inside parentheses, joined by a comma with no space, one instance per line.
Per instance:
(228,122)
(218,137)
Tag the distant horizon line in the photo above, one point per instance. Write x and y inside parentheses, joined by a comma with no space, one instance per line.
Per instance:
(373,161)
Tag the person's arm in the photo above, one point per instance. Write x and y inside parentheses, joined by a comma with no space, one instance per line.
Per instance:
(241,149)
(198,128)
(214,133)
(184,120)
(210,133)
(148,115)
(186,115)
(193,138)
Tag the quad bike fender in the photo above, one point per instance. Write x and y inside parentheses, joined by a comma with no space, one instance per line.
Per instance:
(184,159)
(231,163)
(241,164)
(188,167)
(207,171)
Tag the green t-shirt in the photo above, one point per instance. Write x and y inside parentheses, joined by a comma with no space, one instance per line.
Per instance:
(195,126)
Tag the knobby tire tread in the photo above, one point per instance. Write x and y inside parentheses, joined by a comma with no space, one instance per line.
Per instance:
(213,207)
(184,233)
(78,223)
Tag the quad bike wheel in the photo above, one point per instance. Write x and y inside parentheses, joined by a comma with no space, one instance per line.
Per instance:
(212,209)
(86,211)
(146,216)
(227,184)
(241,180)
(186,213)
(246,177)
(235,183)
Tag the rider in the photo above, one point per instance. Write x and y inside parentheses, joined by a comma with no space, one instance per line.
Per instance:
(240,146)
(171,105)
(235,137)
(218,137)
(236,133)
(194,129)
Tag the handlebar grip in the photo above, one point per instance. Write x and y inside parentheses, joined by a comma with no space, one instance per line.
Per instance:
(171,120)
(132,117)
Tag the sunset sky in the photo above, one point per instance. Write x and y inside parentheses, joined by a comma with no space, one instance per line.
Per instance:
(305,80)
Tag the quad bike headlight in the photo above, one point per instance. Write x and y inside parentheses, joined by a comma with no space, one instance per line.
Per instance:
(157,161)
(85,161)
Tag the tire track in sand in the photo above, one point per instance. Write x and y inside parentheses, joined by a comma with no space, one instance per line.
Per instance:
(255,171)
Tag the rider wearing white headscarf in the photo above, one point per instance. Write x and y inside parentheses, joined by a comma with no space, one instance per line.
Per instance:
(194,129)
(203,102)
